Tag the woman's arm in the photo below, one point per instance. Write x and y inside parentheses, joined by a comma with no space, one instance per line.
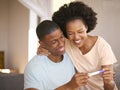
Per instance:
(108,77)
(42,51)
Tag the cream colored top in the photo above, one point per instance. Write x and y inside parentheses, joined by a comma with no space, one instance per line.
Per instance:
(100,54)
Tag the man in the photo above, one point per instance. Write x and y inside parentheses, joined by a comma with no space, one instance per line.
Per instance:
(52,71)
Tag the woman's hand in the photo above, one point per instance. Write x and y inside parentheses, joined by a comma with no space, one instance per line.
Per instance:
(42,51)
(108,74)
(108,77)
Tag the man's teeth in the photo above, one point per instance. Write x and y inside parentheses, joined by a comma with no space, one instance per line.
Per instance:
(78,41)
(62,49)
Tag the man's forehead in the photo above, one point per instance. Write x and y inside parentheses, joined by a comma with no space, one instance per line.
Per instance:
(54,35)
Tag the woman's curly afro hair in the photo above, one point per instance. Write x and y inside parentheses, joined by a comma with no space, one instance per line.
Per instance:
(75,10)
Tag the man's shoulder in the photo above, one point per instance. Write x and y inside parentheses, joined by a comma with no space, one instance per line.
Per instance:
(36,63)
(37,60)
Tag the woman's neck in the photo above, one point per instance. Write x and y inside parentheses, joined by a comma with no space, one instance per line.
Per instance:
(88,44)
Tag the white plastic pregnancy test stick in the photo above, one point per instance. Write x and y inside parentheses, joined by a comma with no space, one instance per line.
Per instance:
(95,73)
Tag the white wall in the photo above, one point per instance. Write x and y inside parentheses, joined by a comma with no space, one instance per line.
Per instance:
(108,22)
(14,33)
(58,3)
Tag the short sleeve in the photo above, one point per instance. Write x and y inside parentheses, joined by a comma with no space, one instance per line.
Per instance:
(31,80)
(106,54)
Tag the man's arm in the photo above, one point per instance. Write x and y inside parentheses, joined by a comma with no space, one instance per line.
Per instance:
(78,80)
(31,89)
(108,79)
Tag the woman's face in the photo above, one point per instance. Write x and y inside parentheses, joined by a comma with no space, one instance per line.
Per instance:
(76,32)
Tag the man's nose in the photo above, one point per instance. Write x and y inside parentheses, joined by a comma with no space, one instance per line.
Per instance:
(61,43)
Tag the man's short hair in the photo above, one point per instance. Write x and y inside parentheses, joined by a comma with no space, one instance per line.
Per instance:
(45,27)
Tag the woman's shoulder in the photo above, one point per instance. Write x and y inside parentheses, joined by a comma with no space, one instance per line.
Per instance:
(102,40)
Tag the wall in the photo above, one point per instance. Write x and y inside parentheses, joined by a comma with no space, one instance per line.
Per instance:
(4,26)
(14,33)
(18,35)
(108,22)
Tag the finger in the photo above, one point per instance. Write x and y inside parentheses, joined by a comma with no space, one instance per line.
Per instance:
(108,69)
(108,77)
(108,72)
(83,82)
(82,73)
(81,76)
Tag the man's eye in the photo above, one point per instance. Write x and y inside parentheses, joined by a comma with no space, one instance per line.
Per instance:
(69,33)
(53,42)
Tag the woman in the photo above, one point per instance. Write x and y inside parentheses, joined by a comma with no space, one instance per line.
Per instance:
(88,53)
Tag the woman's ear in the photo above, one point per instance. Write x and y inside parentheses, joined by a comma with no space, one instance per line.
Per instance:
(86,27)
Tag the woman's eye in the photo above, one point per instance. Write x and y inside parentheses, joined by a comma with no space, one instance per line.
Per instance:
(80,31)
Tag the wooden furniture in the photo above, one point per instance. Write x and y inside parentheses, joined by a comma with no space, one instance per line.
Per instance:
(1,59)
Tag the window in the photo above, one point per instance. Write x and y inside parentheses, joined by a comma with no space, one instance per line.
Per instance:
(32,39)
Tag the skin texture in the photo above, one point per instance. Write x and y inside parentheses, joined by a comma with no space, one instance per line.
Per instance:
(55,43)
(76,32)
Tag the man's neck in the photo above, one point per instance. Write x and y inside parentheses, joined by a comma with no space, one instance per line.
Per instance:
(55,59)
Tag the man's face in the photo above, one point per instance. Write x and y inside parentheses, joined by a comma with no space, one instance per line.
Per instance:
(54,42)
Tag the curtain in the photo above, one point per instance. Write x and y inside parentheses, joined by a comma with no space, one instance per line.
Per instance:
(41,7)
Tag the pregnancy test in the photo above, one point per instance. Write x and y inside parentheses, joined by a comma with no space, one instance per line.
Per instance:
(95,73)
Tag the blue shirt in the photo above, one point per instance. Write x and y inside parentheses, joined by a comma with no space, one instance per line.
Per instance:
(43,74)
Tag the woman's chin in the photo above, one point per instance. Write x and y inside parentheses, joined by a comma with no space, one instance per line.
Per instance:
(78,44)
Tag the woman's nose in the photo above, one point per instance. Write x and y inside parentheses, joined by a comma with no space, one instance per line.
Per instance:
(76,36)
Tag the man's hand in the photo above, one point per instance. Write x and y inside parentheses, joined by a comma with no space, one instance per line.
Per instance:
(78,80)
